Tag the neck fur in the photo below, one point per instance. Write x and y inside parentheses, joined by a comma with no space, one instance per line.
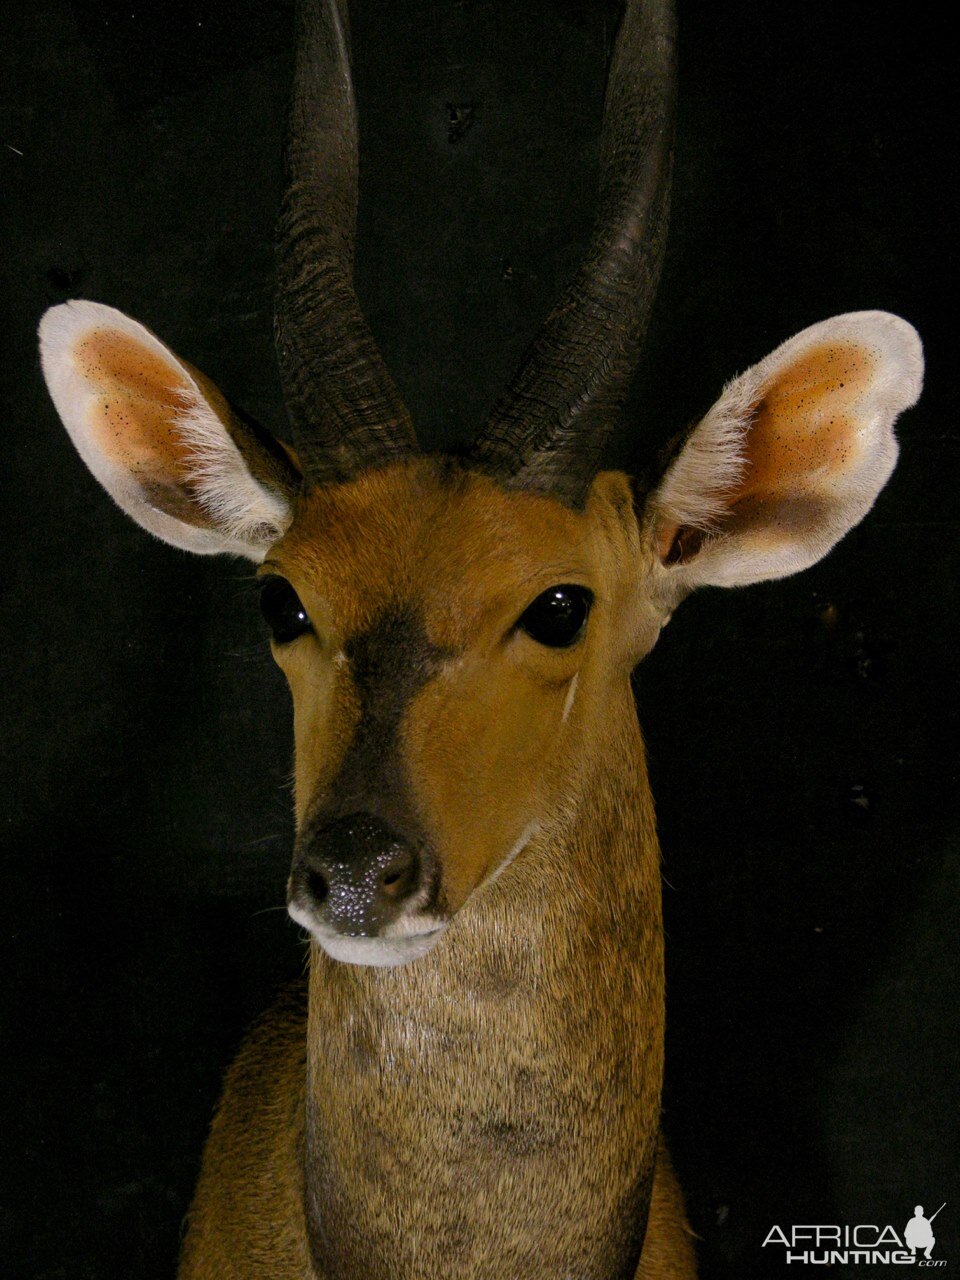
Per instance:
(493,1107)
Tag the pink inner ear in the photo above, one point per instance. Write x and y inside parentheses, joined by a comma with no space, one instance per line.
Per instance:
(803,437)
(139,396)
(804,431)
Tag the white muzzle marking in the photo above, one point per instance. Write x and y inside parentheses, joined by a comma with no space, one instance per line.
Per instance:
(406,939)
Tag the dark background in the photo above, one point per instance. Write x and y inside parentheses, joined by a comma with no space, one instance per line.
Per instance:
(802,734)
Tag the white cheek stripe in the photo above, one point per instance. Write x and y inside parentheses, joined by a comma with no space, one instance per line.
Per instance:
(571,694)
(526,835)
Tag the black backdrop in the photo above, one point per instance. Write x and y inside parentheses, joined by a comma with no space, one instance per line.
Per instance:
(801,734)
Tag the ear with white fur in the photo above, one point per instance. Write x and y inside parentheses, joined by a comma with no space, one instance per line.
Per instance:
(792,455)
(161,439)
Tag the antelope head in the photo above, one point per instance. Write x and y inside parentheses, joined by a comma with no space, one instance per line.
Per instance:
(459,631)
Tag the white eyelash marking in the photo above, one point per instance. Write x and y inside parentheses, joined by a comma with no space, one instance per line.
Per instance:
(571,694)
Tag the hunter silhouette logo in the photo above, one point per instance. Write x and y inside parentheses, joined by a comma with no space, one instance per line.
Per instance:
(863,1244)
(918,1233)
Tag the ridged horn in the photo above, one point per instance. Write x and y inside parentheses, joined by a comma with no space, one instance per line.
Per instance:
(548,431)
(345,410)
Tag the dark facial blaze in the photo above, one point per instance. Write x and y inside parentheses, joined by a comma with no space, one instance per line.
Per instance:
(440,637)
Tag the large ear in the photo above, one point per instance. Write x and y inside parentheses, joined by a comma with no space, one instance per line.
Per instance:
(791,456)
(161,439)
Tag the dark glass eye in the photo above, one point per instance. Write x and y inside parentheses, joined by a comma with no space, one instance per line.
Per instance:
(280,605)
(557,617)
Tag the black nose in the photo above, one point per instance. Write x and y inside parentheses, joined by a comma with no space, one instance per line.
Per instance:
(356,875)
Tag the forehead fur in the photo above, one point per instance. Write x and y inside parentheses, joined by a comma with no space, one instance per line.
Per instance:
(451,539)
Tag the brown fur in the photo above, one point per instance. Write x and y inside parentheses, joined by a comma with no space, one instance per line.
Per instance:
(490,1109)
(247,1218)
(493,1108)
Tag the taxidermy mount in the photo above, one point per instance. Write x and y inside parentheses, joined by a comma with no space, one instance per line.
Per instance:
(471,1084)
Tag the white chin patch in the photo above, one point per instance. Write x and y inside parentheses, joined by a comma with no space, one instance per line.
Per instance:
(384,953)
(405,941)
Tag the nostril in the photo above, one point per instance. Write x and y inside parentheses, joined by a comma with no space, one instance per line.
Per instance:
(399,876)
(357,875)
(317,884)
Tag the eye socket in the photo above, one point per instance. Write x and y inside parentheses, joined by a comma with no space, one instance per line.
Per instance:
(281,607)
(558,616)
